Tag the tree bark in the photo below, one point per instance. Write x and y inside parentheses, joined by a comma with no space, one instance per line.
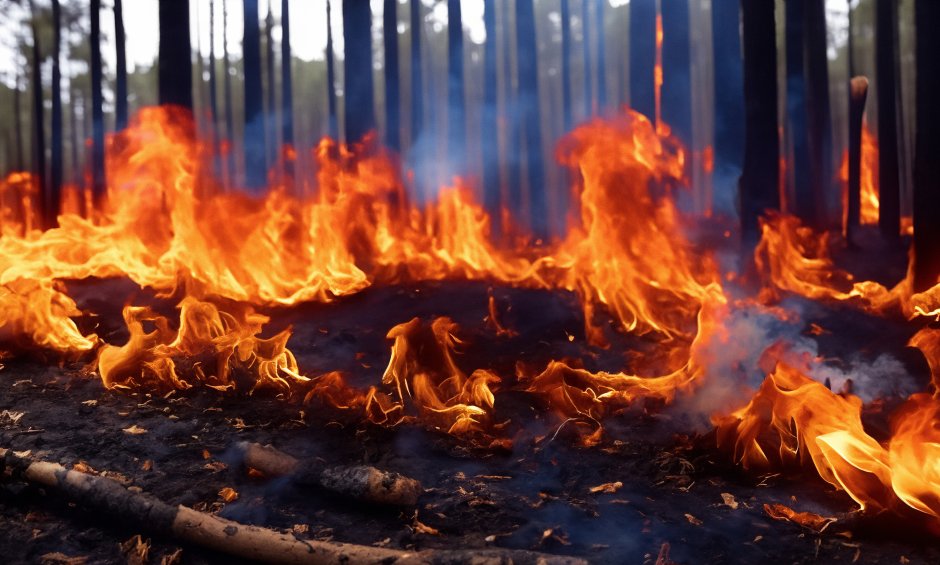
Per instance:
(819,127)
(175,56)
(56,177)
(886,85)
(287,80)
(586,56)
(729,86)
(76,140)
(758,187)
(40,181)
(643,57)
(392,81)
(98,180)
(926,260)
(567,116)
(456,110)
(213,92)
(417,80)
(858,93)
(333,120)
(227,87)
(120,78)
(256,166)
(804,204)
(529,106)
(490,126)
(359,105)
(18,124)
(602,49)
(677,71)
(270,113)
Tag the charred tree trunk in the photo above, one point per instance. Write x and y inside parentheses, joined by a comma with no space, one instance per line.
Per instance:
(729,85)
(513,159)
(75,102)
(227,87)
(601,53)
(858,93)
(97,110)
(18,124)
(819,127)
(567,117)
(456,111)
(392,82)
(761,173)
(175,57)
(359,106)
(417,81)
(643,57)
(489,131)
(54,199)
(287,80)
(886,74)
(677,71)
(270,114)
(926,261)
(804,205)
(120,79)
(38,127)
(528,69)
(333,120)
(255,148)
(586,56)
(213,91)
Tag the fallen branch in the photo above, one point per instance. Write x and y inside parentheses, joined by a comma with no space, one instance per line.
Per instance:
(229,537)
(361,482)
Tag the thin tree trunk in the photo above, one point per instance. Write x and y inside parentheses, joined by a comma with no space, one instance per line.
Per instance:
(287,82)
(926,261)
(75,102)
(227,87)
(527,53)
(643,57)
(601,53)
(586,56)
(97,103)
(392,82)
(213,93)
(677,71)
(18,124)
(54,199)
(886,75)
(567,116)
(333,125)
(729,86)
(759,180)
(819,126)
(253,140)
(270,114)
(417,81)
(456,111)
(490,127)
(359,105)
(175,54)
(120,82)
(858,92)
(38,129)
(512,158)
(798,162)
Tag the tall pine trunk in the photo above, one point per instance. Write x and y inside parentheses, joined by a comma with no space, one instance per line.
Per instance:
(601,54)
(489,130)
(456,110)
(527,57)
(926,262)
(254,142)
(75,138)
(270,114)
(588,97)
(359,105)
(417,80)
(213,92)
(54,199)
(798,160)
(819,127)
(886,75)
(38,129)
(333,119)
(392,82)
(567,116)
(643,57)
(18,124)
(120,72)
(227,87)
(758,188)
(287,82)
(677,71)
(175,55)
(97,109)
(729,86)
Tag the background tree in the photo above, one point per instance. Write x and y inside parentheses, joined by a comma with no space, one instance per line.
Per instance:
(392,82)
(600,36)
(287,81)
(729,87)
(175,54)
(489,130)
(54,198)
(643,57)
(227,87)
(120,72)
(819,126)
(677,70)
(587,95)
(213,89)
(926,260)
(333,119)
(270,112)
(417,81)
(359,106)
(798,166)
(567,116)
(255,149)
(456,110)
(527,57)
(887,86)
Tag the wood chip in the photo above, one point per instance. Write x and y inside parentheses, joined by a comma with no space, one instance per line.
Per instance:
(808,520)
(729,501)
(135,430)
(607,488)
(693,520)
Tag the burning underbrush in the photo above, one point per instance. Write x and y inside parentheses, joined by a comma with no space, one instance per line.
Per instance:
(661,328)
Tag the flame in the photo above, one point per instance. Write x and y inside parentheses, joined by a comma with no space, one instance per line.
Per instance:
(869,176)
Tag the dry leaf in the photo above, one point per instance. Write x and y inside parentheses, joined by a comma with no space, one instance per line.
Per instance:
(83,467)
(693,520)
(808,520)
(228,494)
(10,417)
(422,528)
(135,430)
(607,488)
(729,500)
(136,550)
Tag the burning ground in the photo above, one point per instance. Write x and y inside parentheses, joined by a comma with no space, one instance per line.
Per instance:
(617,394)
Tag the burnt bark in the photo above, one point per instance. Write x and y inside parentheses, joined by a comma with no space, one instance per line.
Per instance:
(677,71)
(858,93)
(926,260)
(359,105)
(567,116)
(38,125)
(643,57)
(819,127)
(227,87)
(417,81)
(602,49)
(803,205)
(489,127)
(528,95)
(213,91)
(333,119)
(886,84)
(97,106)
(759,181)
(253,140)
(175,56)
(270,114)
(586,56)
(120,72)
(56,176)
(729,85)
(392,80)
(456,111)
(287,79)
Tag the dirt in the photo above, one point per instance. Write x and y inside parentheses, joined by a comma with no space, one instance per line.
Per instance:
(659,488)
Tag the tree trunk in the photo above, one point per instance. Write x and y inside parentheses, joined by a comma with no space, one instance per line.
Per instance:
(253,140)
(417,81)
(513,158)
(926,261)
(677,71)
(287,82)
(601,52)
(804,203)
(887,84)
(97,108)
(729,86)
(392,82)
(567,116)
(643,57)
(527,56)
(38,127)
(120,79)
(18,124)
(54,199)
(270,114)
(456,110)
(489,129)
(213,92)
(175,56)
(758,189)
(76,139)
(586,56)
(818,114)
(227,87)
(359,106)
(333,126)
(858,92)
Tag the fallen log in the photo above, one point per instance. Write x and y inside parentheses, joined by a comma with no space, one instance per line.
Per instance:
(229,537)
(361,482)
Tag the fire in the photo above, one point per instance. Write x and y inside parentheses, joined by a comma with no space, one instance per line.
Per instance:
(869,176)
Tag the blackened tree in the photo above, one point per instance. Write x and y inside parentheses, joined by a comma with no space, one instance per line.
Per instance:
(254,143)
(456,111)
(567,117)
(120,72)
(333,119)
(359,105)
(886,75)
(602,51)
(175,54)
(489,132)
(54,198)
(417,82)
(729,86)
(392,81)
(527,53)
(97,103)
(287,82)
(677,71)
(643,57)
